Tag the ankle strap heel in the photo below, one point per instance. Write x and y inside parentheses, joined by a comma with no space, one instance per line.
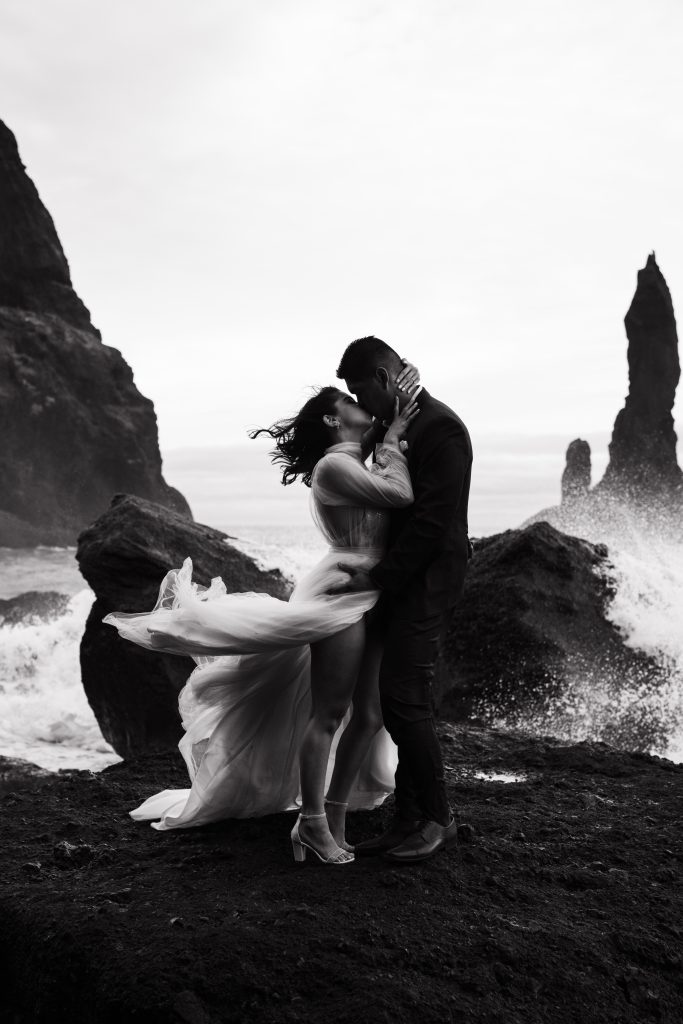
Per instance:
(344,804)
(301,844)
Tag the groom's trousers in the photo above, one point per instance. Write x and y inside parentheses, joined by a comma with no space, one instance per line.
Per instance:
(411,646)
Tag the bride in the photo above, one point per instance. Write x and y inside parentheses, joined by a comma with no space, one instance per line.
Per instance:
(284,698)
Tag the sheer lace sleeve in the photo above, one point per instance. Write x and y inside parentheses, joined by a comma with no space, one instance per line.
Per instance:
(342,479)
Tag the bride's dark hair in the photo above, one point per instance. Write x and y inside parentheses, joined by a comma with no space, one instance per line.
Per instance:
(300,441)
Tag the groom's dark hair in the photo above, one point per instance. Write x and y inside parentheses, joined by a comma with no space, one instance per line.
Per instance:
(363,356)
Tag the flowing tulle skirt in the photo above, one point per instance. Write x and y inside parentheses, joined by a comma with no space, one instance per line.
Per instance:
(246,705)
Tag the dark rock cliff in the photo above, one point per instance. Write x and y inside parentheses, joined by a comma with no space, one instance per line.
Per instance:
(74,427)
(34,273)
(124,556)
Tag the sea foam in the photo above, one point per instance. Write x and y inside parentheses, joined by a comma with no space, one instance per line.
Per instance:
(646,569)
(44,714)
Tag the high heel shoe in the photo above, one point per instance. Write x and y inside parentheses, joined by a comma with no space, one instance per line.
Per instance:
(301,845)
(340,803)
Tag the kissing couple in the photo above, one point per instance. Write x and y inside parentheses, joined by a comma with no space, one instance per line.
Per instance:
(324,702)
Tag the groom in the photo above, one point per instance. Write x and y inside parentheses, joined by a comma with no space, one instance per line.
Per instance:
(420,578)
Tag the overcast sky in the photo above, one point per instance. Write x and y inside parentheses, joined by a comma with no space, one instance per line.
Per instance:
(242,188)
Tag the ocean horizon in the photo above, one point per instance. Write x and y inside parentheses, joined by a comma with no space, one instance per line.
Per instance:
(514,476)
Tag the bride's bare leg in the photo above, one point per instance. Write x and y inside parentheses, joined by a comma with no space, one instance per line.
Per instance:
(364,724)
(335,662)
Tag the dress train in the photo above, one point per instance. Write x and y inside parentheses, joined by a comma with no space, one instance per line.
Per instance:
(244,714)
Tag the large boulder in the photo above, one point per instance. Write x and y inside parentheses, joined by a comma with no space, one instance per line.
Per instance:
(531,639)
(124,556)
(75,430)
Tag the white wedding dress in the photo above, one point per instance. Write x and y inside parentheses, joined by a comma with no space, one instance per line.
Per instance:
(246,705)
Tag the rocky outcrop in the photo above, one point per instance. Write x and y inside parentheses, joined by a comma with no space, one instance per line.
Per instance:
(16,774)
(643,447)
(531,636)
(75,430)
(124,556)
(576,479)
(32,606)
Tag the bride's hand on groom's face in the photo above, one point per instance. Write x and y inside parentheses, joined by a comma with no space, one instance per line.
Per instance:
(402,419)
(358,580)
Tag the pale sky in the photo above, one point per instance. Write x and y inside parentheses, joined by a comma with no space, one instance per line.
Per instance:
(242,188)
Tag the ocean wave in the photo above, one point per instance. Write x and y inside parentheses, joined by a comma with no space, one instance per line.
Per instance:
(44,714)
(647,609)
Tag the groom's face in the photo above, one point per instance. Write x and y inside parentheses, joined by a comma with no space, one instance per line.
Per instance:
(373,394)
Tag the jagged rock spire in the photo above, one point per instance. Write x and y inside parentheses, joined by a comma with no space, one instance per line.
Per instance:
(643,447)
(576,479)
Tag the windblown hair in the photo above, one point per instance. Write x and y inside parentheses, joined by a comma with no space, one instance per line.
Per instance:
(363,356)
(300,441)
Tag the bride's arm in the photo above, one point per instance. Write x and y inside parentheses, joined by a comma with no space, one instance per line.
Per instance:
(341,479)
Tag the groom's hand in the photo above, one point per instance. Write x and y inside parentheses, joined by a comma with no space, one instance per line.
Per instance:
(358,580)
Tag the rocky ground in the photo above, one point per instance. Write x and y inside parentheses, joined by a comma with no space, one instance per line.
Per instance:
(562,902)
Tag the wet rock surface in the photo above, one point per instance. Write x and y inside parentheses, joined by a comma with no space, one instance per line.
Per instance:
(124,556)
(531,625)
(561,903)
(32,606)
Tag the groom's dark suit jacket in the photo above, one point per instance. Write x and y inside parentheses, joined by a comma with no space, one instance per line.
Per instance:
(424,568)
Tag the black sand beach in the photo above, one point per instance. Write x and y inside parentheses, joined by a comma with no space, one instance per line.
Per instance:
(562,902)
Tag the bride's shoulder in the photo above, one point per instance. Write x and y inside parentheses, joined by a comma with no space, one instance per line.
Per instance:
(330,461)
(333,464)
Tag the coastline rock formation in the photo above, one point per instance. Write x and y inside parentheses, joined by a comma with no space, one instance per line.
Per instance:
(34,273)
(124,556)
(531,634)
(576,479)
(75,428)
(32,606)
(643,483)
(642,452)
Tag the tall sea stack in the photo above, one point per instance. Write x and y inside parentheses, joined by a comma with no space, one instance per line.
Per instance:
(642,462)
(75,430)
(643,482)
(576,479)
